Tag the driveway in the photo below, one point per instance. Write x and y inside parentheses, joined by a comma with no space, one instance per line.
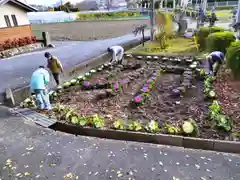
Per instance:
(16,71)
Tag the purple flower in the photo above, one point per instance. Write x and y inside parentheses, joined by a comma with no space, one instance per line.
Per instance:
(86,83)
(116,85)
(147,85)
(138,99)
(149,81)
(144,89)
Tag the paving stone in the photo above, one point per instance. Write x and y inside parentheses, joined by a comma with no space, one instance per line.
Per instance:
(33,152)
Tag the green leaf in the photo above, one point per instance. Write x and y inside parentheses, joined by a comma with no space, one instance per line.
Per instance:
(98,122)
(118,125)
(74,120)
(82,121)
(152,126)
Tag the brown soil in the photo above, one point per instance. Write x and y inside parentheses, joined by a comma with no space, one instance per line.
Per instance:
(89,30)
(228,91)
(160,106)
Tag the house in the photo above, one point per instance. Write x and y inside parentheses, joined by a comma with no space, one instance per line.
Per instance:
(14,21)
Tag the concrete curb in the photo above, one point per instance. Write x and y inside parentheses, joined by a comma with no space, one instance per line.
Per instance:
(22,93)
(165,139)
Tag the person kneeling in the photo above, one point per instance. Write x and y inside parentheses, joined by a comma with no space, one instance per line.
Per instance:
(215,59)
(38,84)
(116,53)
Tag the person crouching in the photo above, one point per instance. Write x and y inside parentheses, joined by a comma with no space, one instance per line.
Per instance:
(38,84)
(116,53)
(215,60)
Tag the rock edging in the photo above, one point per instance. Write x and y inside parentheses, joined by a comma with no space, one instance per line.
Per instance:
(20,50)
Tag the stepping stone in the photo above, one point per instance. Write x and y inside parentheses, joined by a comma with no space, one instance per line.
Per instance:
(128,55)
(38,118)
(149,57)
(155,57)
(139,57)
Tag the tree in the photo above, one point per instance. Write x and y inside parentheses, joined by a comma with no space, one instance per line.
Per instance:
(109,4)
(140,30)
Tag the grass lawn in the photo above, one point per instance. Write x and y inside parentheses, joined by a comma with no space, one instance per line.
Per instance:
(178,45)
(224,15)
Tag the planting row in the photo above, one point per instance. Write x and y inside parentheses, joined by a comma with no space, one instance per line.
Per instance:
(188,127)
(14,43)
(167,99)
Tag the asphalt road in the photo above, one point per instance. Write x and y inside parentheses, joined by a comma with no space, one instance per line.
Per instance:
(29,152)
(16,71)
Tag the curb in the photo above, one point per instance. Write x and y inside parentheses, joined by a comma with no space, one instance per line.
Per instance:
(165,139)
(22,93)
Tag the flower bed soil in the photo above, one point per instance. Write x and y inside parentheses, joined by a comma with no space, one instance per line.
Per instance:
(228,92)
(161,106)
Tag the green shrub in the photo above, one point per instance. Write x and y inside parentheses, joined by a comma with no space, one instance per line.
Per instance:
(233,58)
(222,8)
(108,15)
(219,41)
(203,33)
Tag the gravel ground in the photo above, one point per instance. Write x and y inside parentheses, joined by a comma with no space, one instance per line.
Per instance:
(31,152)
(88,30)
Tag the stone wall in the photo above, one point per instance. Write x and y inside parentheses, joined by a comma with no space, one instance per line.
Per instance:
(89,30)
(20,50)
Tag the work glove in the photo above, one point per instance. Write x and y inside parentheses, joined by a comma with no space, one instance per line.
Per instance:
(210,73)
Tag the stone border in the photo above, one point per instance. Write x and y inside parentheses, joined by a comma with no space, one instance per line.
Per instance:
(165,139)
(22,93)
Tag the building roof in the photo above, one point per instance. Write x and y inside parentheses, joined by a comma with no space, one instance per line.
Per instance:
(19,4)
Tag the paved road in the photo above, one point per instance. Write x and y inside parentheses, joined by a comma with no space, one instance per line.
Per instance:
(16,71)
(29,152)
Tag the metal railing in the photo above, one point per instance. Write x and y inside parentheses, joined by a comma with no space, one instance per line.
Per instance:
(218,4)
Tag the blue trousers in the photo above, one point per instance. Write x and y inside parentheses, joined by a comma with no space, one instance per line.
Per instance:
(42,99)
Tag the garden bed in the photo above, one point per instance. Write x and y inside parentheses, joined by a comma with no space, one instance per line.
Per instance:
(152,95)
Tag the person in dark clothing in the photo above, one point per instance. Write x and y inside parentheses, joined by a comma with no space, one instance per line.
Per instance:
(55,66)
(215,59)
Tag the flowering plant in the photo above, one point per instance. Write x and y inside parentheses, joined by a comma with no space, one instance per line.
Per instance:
(116,86)
(139,99)
(144,93)
(86,83)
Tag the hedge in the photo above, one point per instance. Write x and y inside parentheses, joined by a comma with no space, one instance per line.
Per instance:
(203,33)
(222,8)
(219,41)
(233,58)
(108,15)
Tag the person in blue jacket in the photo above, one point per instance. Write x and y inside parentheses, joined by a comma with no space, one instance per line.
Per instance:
(215,59)
(38,84)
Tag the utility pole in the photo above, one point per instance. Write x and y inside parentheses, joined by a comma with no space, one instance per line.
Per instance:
(152,18)
(237,23)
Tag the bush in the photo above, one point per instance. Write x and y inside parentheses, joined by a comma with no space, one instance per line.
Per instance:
(34,39)
(203,33)
(219,41)
(14,43)
(108,15)
(233,58)
(222,8)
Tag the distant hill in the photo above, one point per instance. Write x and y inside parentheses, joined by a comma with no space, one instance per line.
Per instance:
(39,7)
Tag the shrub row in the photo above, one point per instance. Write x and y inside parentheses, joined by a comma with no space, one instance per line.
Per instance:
(203,33)
(107,15)
(17,42)
(233,58)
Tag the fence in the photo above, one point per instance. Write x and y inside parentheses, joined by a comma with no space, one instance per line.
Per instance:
(218,4)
